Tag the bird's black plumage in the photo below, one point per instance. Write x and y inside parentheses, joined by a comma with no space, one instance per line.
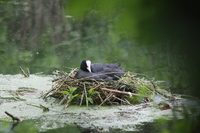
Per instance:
(86,74)
(99,71)
(98,67)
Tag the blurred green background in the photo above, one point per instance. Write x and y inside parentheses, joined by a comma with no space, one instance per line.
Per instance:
(156,38)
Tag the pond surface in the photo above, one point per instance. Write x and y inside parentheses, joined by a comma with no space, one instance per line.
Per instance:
(22,98)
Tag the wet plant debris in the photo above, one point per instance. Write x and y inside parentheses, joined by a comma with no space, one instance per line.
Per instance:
(128,90)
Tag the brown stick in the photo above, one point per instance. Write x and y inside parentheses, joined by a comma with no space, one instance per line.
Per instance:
(120,92)
(122,100)
(82,98)
(109,95)
(22,71)
(65,97)
(28,72)
(13,117)
(100,97)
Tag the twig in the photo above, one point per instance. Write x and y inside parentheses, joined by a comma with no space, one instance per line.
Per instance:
(127,101)
(100,97)
(55,89)
(22,71)
(67,104)
(82,98)
(28,72)
(148,78)
(65,97)
(159,92)
(109,95)
(120,92)
(13,117)
(122,100)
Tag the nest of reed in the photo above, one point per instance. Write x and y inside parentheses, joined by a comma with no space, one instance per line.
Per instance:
(130,89)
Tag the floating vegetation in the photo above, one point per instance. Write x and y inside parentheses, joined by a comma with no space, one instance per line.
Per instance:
(131,89)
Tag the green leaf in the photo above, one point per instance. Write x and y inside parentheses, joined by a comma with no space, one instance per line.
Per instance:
(91,91)
(64,92)
(90,100)
(75,96)
(72,89)
(70,97)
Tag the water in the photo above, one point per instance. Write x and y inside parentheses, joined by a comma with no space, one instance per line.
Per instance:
(22,98)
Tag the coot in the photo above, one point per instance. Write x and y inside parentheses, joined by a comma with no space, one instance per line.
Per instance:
(99,71)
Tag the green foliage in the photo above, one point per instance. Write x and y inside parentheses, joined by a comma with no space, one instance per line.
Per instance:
(127,80)
(92,92)
(90,100)
(89,95)
(144,88)
(135,100)
(65,92)
(70,93)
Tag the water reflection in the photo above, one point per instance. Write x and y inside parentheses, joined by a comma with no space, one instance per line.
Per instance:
(28,126)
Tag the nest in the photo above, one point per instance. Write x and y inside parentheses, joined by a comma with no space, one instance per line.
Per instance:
(130,89)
